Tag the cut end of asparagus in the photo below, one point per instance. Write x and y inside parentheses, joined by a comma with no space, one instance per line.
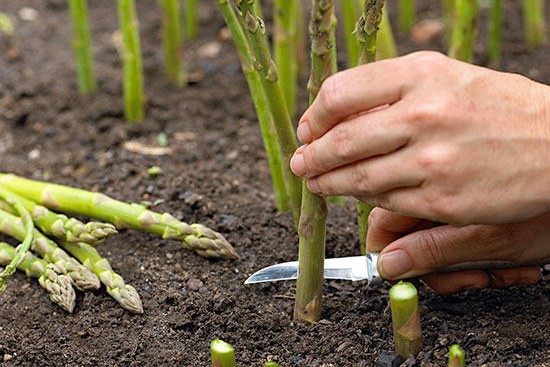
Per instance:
(457,358)
(127,297)
(223,354)
(403,291)
(59,286)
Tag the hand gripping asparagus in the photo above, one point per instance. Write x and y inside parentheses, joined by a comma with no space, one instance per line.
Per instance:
(82,278)
(49,275)
(123,293)
(197,237)
(60,226)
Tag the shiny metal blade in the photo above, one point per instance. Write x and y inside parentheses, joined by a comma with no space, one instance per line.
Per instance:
(345,268)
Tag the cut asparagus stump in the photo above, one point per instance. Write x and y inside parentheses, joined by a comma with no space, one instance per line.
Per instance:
(457,358)
(59,225)
(50,276)
(407,332)
(197,237)
(82,278)
(223,354)
(123,293)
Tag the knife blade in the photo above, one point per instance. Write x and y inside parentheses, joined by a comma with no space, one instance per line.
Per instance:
(356,268)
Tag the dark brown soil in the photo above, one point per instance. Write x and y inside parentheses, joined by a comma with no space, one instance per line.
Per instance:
(216,174)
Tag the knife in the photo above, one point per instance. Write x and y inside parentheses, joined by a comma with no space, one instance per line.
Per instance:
(364,268)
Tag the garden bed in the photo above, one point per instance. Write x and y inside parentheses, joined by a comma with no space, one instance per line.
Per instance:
(214,172)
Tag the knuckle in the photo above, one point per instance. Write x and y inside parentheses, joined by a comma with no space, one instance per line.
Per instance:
(328,95)
(341,138)
(425,61)
(359,180)
(433,255)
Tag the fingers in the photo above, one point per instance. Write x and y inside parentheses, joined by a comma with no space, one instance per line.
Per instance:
(472,279)
(374,133)
(351,92)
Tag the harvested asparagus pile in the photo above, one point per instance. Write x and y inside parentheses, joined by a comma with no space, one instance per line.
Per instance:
(59,250)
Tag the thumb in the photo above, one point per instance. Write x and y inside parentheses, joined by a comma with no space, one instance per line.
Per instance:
(427,250)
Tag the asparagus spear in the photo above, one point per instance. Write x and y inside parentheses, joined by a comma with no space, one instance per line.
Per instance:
(26,238)
(197,237)
(50,276)
(123,293)
(82,46)
(191,21)
(495,30)
(350,11)
(457,357)
(82,278)
(407,15)
(59,225)
(171,41)
(223,354)
(534,22)
(407,332)
(313,216)
(464,32)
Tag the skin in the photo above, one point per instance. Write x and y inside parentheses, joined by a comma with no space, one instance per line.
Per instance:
(434,140)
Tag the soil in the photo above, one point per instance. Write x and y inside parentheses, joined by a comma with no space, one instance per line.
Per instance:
(214,172)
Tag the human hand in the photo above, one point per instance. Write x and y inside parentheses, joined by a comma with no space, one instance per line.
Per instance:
(431,137)
(412,247)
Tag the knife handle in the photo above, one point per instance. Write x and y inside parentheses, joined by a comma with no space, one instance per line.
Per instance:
(375,277)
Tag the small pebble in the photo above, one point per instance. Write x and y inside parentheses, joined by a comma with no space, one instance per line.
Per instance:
(388,359)
(7,357)
(194,284)
(27,14)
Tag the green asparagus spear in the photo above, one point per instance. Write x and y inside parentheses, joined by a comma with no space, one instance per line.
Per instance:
(59,225)
(534,22)
(50,276)
(171,41)
(123,293)
(313,215)
(495,30)
(407,15)
(134,109)
(223,354)
(407,332)
(350,11)
(197,237)
(464,32)
(82,46)
(26,238)
(385,42)
(82,278)
(457,358)
(191,21)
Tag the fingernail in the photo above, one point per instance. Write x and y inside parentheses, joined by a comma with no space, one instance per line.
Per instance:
(313,185)
(304,133)
(297,164)
(394,264)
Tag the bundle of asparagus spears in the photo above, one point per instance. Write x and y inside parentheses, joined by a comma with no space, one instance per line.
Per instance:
(59,250)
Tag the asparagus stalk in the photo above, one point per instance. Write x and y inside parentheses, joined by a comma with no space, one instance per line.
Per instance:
(534,22)
(134,109)
(407,332)
(50,276)
(82,46)
(385,43)
(350,13)
(285,50)
(367,30)
(271,364)
(223,354)
(407,15)
(171,41)
(197,237)
(123,293)
(312,228)
(495,30)
(269,135)
(464,32)
(60,226)
(82,278)
(191,21)
(26,238)
(457,358)
(449,15)
(265,66)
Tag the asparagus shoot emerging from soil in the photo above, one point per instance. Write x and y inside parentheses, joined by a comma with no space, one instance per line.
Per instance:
(367,30)
(271,364)
(26,238)
(350,13)
(495,30)
(191,21)
(255,31)
(123,293)
(223,354)
(534,22)
(263,113)
(457,357)
(82,278)
(407,332)
(464,32)
(406,15)
(134,109)
(197,237)
(312,228)
(50,276)
(82,46)
(171,41)
(60,226)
